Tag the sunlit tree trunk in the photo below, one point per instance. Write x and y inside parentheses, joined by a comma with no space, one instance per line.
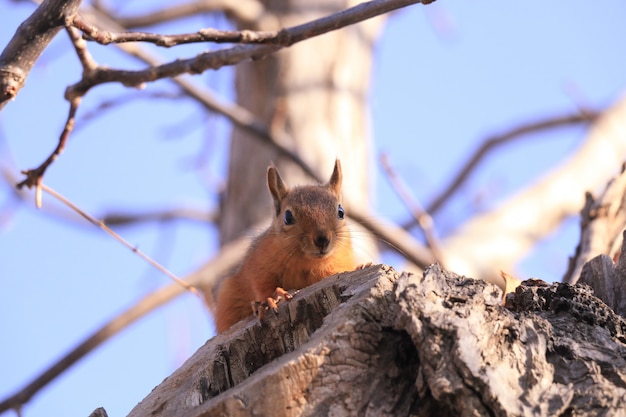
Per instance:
(314,98)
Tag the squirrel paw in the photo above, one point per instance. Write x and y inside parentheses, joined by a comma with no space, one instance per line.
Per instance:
(363,266)
(271,303)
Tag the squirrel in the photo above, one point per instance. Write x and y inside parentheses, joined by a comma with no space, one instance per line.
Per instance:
(307,241)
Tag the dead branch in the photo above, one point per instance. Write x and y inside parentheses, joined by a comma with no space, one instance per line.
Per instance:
(607,277)
(80,47)
(30,40)
(203,35)
(119,238)
(603,219)
(424,220)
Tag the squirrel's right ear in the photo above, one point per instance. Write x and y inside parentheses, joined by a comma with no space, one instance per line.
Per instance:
(335,179)
(277,187)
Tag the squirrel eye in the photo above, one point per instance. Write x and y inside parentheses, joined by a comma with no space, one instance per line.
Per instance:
(340,212)
(289,219)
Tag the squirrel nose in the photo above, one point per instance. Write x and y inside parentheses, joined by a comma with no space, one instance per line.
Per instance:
(322,241)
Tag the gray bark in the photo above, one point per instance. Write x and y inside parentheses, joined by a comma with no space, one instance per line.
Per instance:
(379,343)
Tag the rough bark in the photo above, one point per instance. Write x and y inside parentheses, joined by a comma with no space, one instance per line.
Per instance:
(603,219)
(379,343)
(608,279)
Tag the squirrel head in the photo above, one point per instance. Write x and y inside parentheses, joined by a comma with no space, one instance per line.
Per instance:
(310,215)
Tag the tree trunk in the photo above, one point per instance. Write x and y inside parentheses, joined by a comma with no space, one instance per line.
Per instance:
(378,343)
(314,98)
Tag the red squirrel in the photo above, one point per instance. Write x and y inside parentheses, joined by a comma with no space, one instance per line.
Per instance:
(307,241)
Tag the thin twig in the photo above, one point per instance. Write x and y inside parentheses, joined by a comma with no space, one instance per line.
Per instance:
(238,115)
(80,46)
(394,236)
(419,214)
(203,35)
(34,177)
(120,239)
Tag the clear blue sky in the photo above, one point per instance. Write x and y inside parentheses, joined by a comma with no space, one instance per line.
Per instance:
(435,96)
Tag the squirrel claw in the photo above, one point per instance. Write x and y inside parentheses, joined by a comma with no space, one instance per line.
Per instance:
(280,294)
(271,303)
(260,307)
(363,266)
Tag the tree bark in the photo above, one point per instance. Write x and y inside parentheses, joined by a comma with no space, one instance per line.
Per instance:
(379,343)
(603,219)
(29,42)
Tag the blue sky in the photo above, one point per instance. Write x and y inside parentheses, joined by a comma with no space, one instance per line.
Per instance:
(435,96)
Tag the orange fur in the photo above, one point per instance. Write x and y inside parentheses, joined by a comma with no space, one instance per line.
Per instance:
(291,256)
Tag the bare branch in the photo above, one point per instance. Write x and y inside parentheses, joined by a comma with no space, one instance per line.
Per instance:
(119,238)
(603,220)
(30,40)
(80,46)
(100,75)
(422,217)
(203,35)
(34,176)
(492,143)
(394,236)
(232,56)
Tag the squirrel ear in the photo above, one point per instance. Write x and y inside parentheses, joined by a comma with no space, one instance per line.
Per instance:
(277,187)
(334,184)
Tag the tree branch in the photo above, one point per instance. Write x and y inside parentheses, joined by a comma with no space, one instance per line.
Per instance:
(34,177)
(424,220)
(203,35)
(495,141)
(30,40)
(95,75)
(603,220)
(497,239)
(394,236)
(232,56)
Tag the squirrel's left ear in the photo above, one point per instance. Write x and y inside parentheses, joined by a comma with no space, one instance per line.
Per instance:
(334,184)
(277,187)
